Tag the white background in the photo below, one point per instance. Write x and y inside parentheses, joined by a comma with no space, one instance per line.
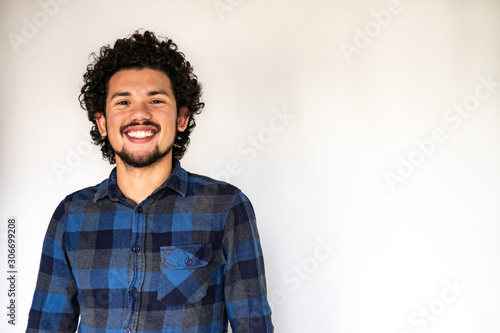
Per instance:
(365,84)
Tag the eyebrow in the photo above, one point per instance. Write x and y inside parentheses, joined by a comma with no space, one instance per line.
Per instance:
(158,92)
(151,93)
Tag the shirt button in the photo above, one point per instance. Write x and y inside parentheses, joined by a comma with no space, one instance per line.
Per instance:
(136,248)
(128,330)
(139,209)
(189,261)
(134,289)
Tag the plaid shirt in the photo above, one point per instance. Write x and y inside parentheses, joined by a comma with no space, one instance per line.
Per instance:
(186,259)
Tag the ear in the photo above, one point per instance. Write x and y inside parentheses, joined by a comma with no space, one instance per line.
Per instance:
(182,119)
(100,119)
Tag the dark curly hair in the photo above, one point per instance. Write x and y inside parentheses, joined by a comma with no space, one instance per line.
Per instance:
(138,51)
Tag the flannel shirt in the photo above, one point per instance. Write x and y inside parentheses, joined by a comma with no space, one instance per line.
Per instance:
(186,259)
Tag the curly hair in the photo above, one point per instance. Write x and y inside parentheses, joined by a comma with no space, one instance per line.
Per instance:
(139,51)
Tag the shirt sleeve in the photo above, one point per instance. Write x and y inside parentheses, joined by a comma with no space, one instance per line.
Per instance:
(246,301)
(54,307)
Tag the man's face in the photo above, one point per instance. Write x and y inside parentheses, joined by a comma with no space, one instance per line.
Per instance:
(141,117)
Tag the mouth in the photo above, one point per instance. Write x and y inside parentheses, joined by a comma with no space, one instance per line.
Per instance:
(140,133)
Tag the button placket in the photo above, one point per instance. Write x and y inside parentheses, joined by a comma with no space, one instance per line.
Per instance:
(138,230)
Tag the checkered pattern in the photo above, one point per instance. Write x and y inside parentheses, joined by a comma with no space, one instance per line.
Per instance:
(186,259)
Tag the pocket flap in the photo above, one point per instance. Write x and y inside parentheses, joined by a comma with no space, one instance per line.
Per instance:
(186,256)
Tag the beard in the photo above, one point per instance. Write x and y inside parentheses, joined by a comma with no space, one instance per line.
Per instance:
(143,161)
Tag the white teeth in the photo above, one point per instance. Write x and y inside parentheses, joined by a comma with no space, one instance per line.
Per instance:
(140,134)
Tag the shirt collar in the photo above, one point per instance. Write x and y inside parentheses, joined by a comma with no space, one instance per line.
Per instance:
(177,181)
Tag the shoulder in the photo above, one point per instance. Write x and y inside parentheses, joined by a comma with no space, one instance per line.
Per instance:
(198,182)
(75,203)
(87,193)
(72,205)
(220,191)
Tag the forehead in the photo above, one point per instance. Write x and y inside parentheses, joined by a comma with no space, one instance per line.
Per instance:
(138,80)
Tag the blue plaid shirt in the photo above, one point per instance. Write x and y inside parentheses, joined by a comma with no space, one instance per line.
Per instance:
(186,259)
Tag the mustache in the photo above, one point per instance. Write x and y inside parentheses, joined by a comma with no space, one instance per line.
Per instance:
(137,123)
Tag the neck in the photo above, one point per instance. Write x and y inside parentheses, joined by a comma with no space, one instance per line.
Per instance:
(138,183)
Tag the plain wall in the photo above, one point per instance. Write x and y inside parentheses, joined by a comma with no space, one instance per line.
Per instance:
(366,134)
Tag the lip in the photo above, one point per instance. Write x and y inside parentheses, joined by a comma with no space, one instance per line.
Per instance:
(140,133)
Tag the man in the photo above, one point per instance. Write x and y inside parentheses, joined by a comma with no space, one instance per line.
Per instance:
(153,248)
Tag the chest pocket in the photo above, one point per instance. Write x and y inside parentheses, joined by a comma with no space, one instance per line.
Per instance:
(185,273)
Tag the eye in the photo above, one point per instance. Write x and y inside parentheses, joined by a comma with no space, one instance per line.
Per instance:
(156,101)
(123,103)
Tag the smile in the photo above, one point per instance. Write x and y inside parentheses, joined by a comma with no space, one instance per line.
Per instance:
(140,134)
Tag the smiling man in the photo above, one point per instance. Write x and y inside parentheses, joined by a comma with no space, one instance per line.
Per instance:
(153,248)
(141,123)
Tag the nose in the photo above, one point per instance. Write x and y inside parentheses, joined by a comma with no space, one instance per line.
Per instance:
(140,111)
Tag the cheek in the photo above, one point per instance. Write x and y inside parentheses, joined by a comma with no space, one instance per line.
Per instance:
(113,129)
(114,124)
(168,122)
